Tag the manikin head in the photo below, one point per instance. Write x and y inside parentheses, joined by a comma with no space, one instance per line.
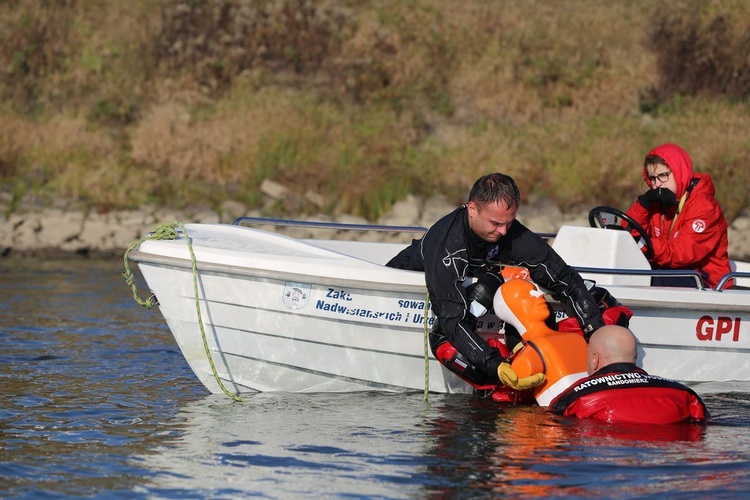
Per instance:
(519,303)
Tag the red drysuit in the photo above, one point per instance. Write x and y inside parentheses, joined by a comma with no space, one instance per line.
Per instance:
(624,393)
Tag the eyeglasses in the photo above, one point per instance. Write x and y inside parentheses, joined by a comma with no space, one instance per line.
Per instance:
(662,177)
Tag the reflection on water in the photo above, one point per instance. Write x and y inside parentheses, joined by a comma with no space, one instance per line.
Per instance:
(95,399)
(397,446)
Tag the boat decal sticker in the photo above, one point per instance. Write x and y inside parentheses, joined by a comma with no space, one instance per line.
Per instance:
(339,294)
(296,295)
(709,328)
(341,302)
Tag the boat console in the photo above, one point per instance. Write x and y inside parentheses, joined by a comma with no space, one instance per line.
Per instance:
(589,247)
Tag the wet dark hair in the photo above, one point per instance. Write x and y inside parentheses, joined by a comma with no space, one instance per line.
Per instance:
(492,188)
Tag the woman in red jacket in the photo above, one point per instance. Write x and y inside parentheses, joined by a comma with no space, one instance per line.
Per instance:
(681,215)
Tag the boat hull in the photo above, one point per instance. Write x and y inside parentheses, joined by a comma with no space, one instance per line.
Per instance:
(281,314)
(696,336)
(267,330)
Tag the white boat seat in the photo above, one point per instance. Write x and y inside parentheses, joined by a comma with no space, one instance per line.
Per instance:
(602,248)
(740,267)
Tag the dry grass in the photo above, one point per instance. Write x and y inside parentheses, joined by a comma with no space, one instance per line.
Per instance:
(115,104)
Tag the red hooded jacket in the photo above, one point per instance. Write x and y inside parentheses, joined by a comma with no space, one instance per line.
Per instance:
(692,235)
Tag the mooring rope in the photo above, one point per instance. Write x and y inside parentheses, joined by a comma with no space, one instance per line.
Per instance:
(426,349)
(169,232)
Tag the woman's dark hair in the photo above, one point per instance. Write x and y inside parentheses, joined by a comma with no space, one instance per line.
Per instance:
(655,160)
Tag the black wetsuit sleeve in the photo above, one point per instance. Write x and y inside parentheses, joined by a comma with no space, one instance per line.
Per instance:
(410,258)
(522,247)
(446,262)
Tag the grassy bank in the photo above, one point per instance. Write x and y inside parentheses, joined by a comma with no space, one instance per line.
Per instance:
(114,104)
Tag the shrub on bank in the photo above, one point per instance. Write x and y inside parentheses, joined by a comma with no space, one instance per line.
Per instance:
(116,104)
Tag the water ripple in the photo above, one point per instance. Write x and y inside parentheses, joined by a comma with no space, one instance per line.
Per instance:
(96,400)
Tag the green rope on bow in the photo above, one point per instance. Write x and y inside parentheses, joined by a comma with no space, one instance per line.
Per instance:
(163,232)
(169,232)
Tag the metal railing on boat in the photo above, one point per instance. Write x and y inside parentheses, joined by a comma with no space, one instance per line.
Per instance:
(342,226)
(652,273)
(734,274)
(665,273)
(245,221)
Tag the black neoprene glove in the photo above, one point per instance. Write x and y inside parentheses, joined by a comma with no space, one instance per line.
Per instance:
(649,198)
(667,198)
(661,195)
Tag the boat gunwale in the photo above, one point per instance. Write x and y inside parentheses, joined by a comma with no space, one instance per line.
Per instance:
(647,304)
(228,269)
(140,256)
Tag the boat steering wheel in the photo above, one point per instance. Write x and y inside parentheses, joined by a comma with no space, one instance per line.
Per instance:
(610,218)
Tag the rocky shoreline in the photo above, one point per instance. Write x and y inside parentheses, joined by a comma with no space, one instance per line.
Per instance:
(63,232)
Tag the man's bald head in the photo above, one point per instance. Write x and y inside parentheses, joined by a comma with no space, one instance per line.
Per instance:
(611,344)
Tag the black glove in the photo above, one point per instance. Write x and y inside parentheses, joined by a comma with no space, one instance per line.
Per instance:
(661,195)
(648,198)
(667,198)
(587,310)
(591,327)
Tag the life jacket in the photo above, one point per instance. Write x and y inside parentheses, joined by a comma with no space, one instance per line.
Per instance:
(624,393)
(561,356)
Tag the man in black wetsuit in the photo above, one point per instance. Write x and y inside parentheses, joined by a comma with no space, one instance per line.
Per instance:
(459,247)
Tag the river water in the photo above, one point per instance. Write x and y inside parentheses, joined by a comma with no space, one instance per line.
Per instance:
(97,401)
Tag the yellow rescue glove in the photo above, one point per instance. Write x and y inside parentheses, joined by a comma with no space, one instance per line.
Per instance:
(509,378)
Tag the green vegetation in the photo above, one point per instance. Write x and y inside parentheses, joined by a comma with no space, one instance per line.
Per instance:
(119,103)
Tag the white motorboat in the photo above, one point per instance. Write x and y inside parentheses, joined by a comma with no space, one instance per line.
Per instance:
(254,310)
